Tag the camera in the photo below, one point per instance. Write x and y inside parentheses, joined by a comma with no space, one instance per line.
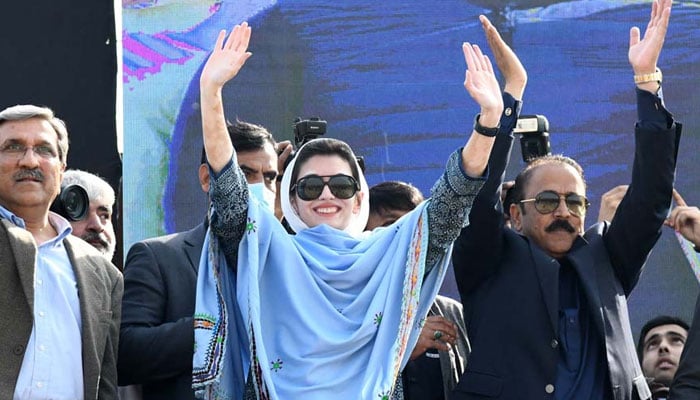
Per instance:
(308,129)
(534,139)
(72,203)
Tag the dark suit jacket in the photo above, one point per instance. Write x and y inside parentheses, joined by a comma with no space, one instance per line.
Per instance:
(686,383)
(509,286)
(99,291)
(157,333)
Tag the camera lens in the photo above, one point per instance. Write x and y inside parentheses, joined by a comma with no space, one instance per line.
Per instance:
(72,203)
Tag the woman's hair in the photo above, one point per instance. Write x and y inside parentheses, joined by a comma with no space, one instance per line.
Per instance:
(324,147)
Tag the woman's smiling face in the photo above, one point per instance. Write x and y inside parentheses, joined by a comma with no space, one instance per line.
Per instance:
(327,208)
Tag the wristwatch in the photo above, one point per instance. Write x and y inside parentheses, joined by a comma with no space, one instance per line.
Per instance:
(490,132)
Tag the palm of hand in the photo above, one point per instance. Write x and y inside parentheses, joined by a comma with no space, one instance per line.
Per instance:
(484,88)
(227,58)
(223,65)
(645,53)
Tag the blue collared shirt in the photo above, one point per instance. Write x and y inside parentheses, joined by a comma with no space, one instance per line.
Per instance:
(582,371)
(52,366)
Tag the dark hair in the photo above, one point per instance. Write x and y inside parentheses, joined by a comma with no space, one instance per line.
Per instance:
(653,323)
(246,137)
(393,195)
(324,147)
(523,178)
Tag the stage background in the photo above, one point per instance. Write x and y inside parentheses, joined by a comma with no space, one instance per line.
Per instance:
(387,76)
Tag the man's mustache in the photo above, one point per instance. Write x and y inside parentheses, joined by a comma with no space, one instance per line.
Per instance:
(95,237)
(560,224)
(33,174)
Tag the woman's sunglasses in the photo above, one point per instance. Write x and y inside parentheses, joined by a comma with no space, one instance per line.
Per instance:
(341,186)
(548,201)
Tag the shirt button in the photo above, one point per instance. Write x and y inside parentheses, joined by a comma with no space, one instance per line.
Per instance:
(554,343)
(19,349)
(549,388)
(42,347)
(508,111)
(39,282)
(40,385)
(41,313)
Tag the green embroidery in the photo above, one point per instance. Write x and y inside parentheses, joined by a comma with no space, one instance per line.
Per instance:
(378,318)
(383,395)
(277,365)
(251,226)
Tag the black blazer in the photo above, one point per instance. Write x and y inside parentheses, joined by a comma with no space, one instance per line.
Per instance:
(157,330)
(509,286)
(686,383)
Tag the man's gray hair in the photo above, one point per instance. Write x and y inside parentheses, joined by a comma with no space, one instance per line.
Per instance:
(96,187)
(28,111)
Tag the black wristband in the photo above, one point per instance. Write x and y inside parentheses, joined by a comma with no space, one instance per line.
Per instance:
(490,132)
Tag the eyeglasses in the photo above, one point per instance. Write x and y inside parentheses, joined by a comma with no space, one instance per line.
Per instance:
(341,186)
(548,201)
(18,150)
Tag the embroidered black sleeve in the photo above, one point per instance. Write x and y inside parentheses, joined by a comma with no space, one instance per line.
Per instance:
(448,210)
(229,196)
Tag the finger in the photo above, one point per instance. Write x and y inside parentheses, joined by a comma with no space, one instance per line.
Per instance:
(446,327)
(232,37)
(634,36)
(440,346)
(245,37)
(220,40)
(479,57)
(489,66)
(679,199)
(485,23)
(469,55)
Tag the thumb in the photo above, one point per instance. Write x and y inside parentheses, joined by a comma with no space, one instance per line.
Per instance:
(634,36)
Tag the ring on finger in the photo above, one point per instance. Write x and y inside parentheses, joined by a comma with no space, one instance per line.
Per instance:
(437,335)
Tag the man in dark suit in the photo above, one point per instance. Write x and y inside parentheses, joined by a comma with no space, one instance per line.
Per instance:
(59,297)
(545,303)
(160,276)
(686,383)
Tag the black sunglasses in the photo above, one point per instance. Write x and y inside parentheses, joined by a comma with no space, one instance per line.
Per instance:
(548,201)
(341,186)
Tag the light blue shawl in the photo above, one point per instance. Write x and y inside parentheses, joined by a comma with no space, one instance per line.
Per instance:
(327,315)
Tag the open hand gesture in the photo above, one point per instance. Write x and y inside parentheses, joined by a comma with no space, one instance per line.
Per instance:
(227,58)
(480,81)
(507,61)
(643,54)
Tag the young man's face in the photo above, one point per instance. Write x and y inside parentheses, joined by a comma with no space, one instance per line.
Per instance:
(662,350)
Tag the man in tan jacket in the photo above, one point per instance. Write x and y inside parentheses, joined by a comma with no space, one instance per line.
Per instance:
(60,298)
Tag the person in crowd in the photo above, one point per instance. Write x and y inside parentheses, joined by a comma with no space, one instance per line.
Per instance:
(686,384)
(440,355)
(609,202)
(326,312)
(157,336)
(545,303)
(61,299)
(659,348)
(96,228)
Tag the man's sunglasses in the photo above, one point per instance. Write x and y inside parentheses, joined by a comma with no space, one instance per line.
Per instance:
(548,201)
(341,186)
